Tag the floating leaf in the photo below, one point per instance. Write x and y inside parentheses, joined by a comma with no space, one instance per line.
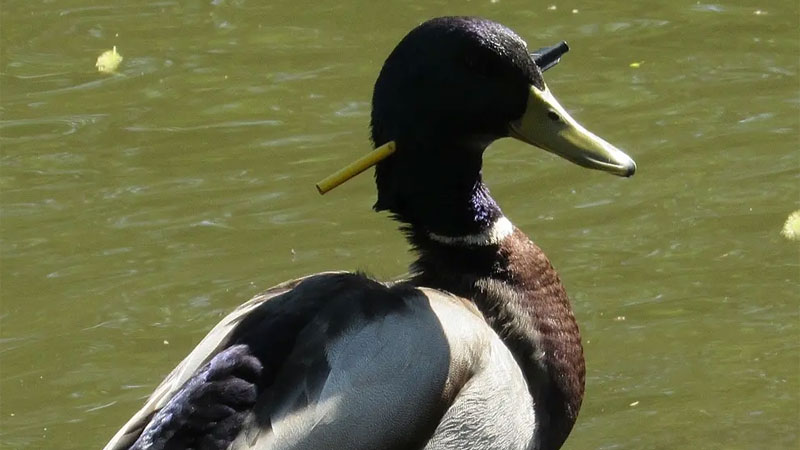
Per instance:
(791,229)
(108,61)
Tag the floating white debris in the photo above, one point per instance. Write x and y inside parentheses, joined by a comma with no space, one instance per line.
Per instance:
(108,61)
(791,229)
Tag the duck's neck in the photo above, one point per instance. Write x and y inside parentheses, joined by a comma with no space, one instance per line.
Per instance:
(445,195)
(513,284)
(466,246)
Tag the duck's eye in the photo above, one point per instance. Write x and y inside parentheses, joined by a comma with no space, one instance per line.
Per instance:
(553,116)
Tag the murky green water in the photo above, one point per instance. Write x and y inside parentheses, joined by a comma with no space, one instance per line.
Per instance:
(137,209)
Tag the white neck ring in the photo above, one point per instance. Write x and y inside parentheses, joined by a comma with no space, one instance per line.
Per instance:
(500,229)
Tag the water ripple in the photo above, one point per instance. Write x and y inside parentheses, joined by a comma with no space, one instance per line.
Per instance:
(21,130)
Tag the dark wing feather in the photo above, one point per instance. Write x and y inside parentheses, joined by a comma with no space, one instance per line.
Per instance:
(208,411)
(223,335)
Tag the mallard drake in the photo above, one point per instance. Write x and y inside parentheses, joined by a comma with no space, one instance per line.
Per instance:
(478,348)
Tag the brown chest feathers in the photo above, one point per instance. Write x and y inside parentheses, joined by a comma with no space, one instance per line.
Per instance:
(522,298)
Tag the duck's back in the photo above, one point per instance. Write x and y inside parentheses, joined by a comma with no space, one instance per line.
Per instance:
(340,361)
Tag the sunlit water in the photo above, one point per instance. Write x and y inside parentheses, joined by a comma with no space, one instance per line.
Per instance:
(139,208)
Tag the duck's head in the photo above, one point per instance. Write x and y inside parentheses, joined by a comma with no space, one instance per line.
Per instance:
(451,87)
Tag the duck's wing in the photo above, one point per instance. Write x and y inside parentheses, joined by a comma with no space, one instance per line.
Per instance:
(215,341)
(329,361)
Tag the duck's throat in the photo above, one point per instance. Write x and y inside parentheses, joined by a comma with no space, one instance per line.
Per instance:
(440,197)
(461,218)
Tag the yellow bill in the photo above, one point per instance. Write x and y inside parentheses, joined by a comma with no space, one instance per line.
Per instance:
(547,125)
(355,168)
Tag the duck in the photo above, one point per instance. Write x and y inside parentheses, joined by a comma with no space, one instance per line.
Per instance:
(477,348)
